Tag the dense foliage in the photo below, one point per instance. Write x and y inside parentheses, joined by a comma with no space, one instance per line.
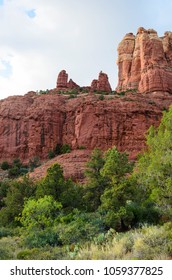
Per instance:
(123,211)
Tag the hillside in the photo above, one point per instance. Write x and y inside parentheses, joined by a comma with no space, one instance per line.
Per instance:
(88,194)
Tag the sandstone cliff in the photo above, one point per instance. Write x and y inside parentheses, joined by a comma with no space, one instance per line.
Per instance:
(145,62)
(31,125)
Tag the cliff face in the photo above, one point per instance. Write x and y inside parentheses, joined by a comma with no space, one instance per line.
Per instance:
(145,62)
(32,125)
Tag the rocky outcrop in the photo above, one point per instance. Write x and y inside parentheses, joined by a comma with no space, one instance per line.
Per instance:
(63,83)
(32,125)
(73,164)
(62,80)
(72,85)
(102,84)
(145,62)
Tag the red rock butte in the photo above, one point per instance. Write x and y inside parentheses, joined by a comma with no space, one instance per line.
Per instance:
(33,124)
(145,62)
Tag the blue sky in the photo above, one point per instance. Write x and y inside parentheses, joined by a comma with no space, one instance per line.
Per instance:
(39,38)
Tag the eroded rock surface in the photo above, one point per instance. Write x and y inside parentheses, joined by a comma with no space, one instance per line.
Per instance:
(63,83)
(32,125)
(102,84)
(145,62)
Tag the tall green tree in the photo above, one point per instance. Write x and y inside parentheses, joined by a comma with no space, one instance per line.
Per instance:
(119,189)
(53,183)
(16,193)
(96,183)
(154,168)
(116,165)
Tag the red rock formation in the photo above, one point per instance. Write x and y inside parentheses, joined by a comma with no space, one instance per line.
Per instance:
(94,85)
(32,125)
(73,164)
(62,80)
(63,83)
(72,85)
(145,62)
(102,84)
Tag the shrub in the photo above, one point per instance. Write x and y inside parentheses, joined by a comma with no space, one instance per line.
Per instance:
(5,165)
(17,169)
(59,149)
(65,148)
(38,239)
(27,254)
(147,243)
(51,154)
(44,253)
(150,243)
(4,232)
(9,247)
(83,227)
(5,254)
(34,162)
(14,172)
(101,97)
(72,96)
(43,92)
(81,147)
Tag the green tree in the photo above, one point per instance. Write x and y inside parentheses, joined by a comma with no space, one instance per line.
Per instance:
(116,165)
(40,214)
(154,168)
(4,186)
(63,190)
(53,183)
(38,219)
(119,190)
(16,192)
(71,196)
(96,182)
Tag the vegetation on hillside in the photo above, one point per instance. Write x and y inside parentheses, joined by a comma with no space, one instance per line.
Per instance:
(124,211)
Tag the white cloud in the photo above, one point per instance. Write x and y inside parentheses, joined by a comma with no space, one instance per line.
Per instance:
(77,35)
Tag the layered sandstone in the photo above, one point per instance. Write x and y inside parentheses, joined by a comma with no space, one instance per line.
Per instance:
(62,80)
(31,125)
(72,85)
(63,83)
(145,62)
(102,84)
